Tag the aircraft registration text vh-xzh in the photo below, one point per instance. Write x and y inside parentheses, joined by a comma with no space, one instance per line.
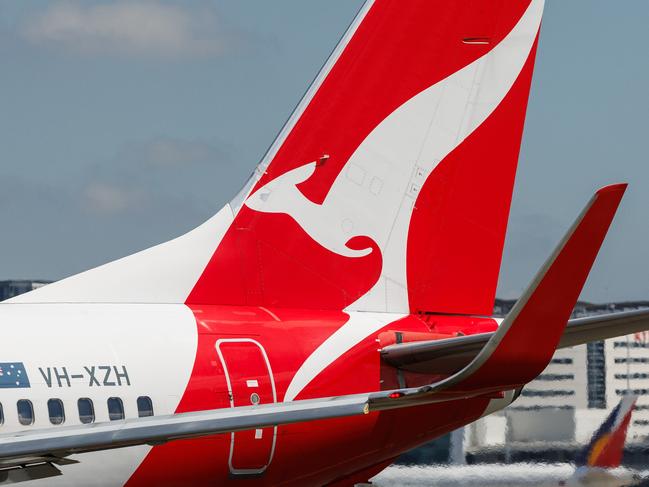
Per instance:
(337,312)
(14,374)
(90,375)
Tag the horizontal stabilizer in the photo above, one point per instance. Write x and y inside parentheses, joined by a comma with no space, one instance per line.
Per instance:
(451,354)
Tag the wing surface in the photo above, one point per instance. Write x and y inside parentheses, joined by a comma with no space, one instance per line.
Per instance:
(51,446)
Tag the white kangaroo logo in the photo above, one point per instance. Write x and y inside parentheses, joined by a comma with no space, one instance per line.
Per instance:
(318,221)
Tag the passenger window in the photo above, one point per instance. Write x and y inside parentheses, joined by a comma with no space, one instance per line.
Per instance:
(86,410)
(55,410)
(115,408)
(144,406)
(25,412)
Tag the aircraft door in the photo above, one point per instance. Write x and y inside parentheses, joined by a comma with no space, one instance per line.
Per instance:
(250,382)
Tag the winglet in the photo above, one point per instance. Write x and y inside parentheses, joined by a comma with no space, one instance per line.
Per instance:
(529,335)
(607,445)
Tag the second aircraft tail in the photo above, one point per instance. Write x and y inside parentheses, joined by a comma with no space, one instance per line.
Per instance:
(607,445)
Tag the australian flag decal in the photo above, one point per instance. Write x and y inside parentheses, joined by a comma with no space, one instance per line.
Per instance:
(13,375)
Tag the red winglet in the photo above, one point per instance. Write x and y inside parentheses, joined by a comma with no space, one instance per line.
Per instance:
(527,339)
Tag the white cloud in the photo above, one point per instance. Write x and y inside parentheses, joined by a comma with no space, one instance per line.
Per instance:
(126,28)
(170,152)
(150,173)
(109,200)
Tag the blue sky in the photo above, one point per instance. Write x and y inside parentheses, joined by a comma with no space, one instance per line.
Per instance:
(123,124)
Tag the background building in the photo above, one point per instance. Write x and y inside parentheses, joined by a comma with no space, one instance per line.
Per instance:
(11,288)
(558,412)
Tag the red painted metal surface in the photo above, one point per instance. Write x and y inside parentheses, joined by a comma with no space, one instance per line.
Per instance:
(328,450)
(400,50)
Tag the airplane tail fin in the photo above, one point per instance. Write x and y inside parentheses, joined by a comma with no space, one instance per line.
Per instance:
(607,445)
(389,187)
